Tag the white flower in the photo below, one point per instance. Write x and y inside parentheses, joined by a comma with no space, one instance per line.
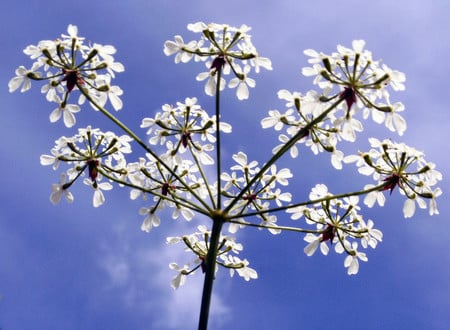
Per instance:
(395,78)
(113,94)
(372,237)
(348,128)
(351,262)
(319,191)
(277,120)
(293,151)
(246,272)
(73,32)
(293,98)
(60,189)
(178,46)
(374,197)
(180,278)
(66,111)
(23,78)
(409,208)
(98,198)
(314,242)
(211,81)
(394,121)
(231,180)
(241,159)
(433,205)
(185,212)
(297,212)
(271,221)
(52,159)
(336,159)
(151,220)
(280,176)
(241,83)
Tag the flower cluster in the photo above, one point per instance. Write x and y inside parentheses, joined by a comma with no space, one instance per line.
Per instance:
(176,128)
(353,77)
(337,222)
(398,165)
(100,154)
(67,64)
(351,81)
(174,170)
(171,185)
(300,127)
(254,195)
(176,178)
(221,47)
(198,243)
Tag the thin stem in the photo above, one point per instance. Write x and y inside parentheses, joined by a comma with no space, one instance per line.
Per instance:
(310,202)
(178,200)
(210,271)
(218,221)
(286,228)
(203,175)
(301,133)
(218,142)
(141,143)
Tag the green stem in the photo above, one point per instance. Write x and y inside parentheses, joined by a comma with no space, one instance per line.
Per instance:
(178,200)
(141,143)
(310,202)
(218,142)
(210,266)
(301,133)
(218,221)
(285,228)
(203,175)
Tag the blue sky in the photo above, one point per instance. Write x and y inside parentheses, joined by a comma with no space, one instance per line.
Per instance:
(71,266)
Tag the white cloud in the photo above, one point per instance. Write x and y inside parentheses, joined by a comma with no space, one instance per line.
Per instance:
(141,276)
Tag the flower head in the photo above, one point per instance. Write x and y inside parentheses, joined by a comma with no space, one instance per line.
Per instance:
(353,77)
(92,152)
(337,222)
(70,62)
(398,166)
(198,243)
(225,50)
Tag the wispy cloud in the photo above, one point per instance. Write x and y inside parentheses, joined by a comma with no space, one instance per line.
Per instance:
(141,277)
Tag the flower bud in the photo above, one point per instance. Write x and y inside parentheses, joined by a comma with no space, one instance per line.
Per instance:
(91,54)
(46,53)
(424,169)
(297,104)
(101,66)
(386,109)
(368,159)
(103,88)
(327,64)
(325,75)
(208,124)
(323,98)
(33,75)
(329,148)
(381,80)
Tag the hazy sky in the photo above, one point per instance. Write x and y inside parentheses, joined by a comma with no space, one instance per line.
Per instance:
(71,266)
